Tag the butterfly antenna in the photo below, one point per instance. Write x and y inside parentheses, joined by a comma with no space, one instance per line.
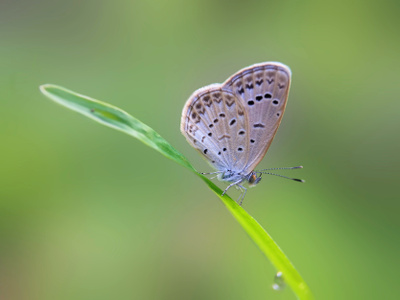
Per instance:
(285,168)
(295,179)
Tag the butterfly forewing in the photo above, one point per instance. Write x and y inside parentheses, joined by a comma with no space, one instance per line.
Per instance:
(263,90)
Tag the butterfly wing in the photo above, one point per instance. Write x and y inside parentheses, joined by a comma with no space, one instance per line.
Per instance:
(263,91)
(214,123)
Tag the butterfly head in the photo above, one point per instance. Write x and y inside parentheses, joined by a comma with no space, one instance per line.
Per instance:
(253,179)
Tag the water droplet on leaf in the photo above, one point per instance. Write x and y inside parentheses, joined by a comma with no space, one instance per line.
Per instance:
(279,282)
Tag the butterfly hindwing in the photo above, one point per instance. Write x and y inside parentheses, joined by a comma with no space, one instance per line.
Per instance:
(214,123)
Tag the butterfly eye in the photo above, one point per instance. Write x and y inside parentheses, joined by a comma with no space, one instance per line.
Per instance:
(252,179)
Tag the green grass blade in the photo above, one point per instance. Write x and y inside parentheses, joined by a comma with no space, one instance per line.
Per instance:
(113,117)
(118,119)
(266,244)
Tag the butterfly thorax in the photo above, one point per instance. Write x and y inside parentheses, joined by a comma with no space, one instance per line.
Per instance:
(234,176)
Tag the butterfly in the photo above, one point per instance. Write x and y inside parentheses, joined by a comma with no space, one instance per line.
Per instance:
(233,124)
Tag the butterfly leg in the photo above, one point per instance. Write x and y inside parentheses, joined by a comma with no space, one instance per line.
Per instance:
(242,195)
(231,185)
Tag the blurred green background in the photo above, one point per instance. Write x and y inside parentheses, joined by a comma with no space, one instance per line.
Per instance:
(90,213)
